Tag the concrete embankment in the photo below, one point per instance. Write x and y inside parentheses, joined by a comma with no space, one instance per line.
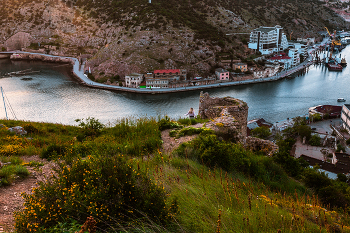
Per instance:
(78,72)
(40,57)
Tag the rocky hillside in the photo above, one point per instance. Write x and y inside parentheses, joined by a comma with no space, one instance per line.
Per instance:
(127,36)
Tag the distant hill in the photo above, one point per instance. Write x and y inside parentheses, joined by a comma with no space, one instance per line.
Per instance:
(137,36)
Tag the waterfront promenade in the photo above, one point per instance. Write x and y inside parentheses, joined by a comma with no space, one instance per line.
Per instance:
(78,71)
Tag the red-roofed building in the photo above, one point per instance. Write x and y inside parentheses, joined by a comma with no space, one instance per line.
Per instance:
(282,58)
(162,78)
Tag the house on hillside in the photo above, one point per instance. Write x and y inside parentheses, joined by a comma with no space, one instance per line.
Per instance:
(268,40)
(171,74)
(222,74)
(162,78)
(268,71)
(242,66)
(133,80)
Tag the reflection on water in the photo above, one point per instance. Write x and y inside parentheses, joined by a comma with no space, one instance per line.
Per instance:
(52,95)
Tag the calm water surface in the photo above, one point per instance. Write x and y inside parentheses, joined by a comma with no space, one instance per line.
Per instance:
(54,96)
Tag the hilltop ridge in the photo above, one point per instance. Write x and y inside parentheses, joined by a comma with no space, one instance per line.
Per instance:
(124,36)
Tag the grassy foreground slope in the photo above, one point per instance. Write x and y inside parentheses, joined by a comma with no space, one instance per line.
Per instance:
(120,177)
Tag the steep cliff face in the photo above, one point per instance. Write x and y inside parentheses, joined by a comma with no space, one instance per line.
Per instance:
(127,36)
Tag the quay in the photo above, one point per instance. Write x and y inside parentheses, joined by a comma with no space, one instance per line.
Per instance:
(78,72)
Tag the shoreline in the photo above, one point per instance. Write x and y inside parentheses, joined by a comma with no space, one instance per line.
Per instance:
(78,72)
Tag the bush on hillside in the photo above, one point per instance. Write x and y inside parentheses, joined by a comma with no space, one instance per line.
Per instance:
(105,187)
(91,127)
(167,123)
(209,150)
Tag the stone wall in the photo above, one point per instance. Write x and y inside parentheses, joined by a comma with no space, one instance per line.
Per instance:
(226,113)
(257,144)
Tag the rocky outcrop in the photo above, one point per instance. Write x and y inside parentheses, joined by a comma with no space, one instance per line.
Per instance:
(257,144)
(228,115)
(18,41)
(17,130)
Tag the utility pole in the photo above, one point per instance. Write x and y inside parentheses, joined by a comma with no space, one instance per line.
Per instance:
(4,102)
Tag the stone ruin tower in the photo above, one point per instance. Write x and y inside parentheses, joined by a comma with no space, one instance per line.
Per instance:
(228,115)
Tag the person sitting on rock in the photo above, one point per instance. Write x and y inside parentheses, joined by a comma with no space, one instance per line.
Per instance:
(191,114)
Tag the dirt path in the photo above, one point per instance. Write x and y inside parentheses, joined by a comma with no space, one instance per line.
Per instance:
(170,143)
(10,196)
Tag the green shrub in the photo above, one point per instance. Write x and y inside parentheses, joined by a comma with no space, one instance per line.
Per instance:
(340,147)
(316,117)
(8,173)
(166,123)
(189,121)
(173,133)
(191,131)
(52,151)
(348,142)
(105,187)
(30,128)
(91,127)
(315,140)
(261,132)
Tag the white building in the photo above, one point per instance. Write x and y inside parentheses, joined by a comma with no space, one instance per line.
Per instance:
(268,40)
(345,117)
(282,59)
(294,55)
(302,49)
(133,80)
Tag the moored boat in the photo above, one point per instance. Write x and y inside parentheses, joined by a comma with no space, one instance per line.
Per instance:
(334,67)
(341,100)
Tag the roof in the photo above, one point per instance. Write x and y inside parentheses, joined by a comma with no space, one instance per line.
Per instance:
(167,71)
(240,64)
(221,70)
(347,105)
(265,29)
(260,122)
(342,165)
(332,110)
(135,74)
(280,56)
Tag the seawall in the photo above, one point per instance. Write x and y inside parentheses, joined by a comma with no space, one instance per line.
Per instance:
(78,72)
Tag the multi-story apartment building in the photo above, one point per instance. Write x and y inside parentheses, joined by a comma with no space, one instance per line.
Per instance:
(268,40)
(133,80)
(345,117)
(295,56)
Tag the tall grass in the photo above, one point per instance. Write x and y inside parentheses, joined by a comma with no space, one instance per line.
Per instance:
(8,173)
(243,205)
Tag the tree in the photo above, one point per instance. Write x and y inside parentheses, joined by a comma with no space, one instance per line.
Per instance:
(261,132)
(315,140)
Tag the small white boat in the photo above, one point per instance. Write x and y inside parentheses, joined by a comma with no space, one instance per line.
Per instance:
(341,100)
